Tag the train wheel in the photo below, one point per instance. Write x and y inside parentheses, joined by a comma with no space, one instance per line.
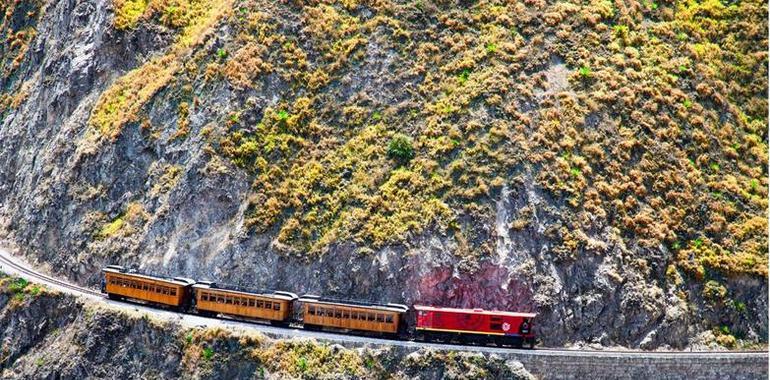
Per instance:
(113,297)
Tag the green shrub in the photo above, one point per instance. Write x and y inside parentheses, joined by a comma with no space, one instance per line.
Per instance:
(584,72)
(463,76)
(400,148)
(754,185)
(208,353)
(302,364)
(34,290)
(221,54)
(697,243)
(18,285)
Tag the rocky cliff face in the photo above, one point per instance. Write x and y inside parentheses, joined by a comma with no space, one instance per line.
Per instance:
(601,164)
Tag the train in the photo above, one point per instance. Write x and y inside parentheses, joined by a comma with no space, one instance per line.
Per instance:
(311,312)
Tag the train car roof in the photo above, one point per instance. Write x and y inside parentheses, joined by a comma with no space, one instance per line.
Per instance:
(475,311)
(174,280)
(235,289)
(393,307)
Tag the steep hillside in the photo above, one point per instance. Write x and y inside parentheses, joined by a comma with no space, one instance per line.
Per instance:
(602,163)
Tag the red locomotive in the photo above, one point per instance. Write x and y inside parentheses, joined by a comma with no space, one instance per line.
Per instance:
(475,325)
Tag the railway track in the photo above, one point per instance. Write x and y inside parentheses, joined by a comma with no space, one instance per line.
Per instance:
(24,271)
(14,266)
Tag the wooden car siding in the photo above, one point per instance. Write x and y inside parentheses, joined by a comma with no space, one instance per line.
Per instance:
(241,305)
(122,285)
(346,320)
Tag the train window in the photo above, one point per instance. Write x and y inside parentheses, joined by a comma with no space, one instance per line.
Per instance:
(204,297)
(144,287)
(345,314)
(251,302)
(370,317)
(337,313)
(237,301)
(229,300)
(276,306)
(260,304)
(380,318)
(388,318)
(311,309)
(173,291)
(268,305)
(165,290)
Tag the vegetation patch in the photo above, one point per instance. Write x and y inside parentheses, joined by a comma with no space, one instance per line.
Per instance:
(647,121)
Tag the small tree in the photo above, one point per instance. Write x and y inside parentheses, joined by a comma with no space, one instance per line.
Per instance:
(400,148)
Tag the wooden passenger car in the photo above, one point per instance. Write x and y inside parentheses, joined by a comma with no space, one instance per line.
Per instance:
(351,315)
(159,290)
(501,327)
(272,306)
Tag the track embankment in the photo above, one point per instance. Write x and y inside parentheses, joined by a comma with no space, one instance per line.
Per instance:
(543,362)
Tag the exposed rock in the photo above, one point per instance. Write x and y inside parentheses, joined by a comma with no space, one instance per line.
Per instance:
(589,162)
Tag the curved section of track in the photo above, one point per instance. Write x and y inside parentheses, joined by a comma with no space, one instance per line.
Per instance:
(14,266)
